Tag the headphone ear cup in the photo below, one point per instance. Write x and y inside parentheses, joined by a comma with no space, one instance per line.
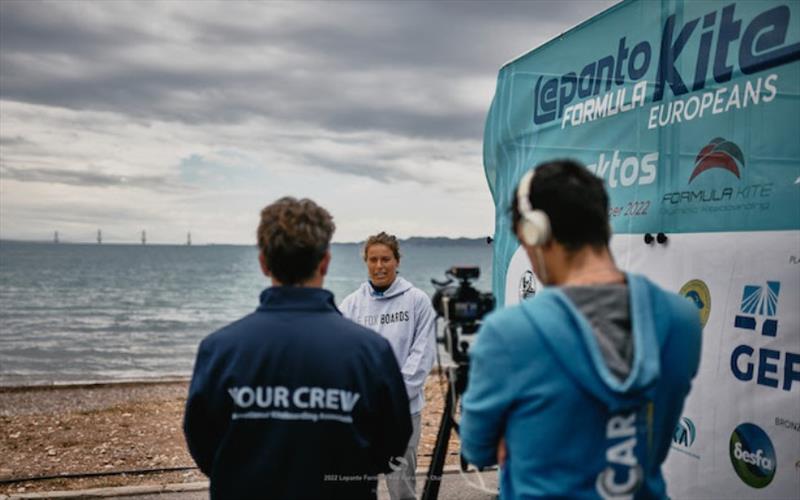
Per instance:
(528,232)
(535,228)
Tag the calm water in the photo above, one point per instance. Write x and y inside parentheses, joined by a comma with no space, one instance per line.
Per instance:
(95,312)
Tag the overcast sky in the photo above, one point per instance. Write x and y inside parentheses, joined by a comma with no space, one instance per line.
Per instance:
(191,116)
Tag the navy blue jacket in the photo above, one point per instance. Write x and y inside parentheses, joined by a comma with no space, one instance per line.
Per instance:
(295,401)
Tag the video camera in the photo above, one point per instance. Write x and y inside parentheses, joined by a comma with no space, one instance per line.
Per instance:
(462,307)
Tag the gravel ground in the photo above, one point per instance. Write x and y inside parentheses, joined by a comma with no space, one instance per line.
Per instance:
(110,428)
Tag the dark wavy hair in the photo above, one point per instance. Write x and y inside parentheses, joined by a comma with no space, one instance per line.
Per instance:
(294,235)
(574,199)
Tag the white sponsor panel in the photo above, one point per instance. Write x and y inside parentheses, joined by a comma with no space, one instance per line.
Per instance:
(747,372)
(746,376)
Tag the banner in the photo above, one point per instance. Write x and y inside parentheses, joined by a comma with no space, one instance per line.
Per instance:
(690,113)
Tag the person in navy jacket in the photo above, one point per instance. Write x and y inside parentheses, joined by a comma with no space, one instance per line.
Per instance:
(293,400)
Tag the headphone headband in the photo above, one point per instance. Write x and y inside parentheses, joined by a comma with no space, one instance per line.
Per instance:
(524,191)
(535,224)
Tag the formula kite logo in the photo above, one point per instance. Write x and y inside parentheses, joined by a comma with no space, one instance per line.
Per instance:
(719,153)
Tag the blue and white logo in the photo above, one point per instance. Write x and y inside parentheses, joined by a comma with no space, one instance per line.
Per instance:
(684,433)
(767,366)
(760,301)
(683,437)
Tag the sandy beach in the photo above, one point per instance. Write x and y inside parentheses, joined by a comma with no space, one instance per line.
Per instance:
(122,433)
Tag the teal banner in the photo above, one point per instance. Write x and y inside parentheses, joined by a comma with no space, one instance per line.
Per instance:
(688,110)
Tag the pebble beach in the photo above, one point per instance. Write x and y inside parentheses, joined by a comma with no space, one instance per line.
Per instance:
(92,435)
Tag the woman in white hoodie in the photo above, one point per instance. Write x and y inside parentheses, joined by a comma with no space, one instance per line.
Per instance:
(403,315)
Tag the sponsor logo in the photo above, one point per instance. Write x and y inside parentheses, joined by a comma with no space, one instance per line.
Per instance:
(697,292)
(719,153)
(372,320)
(752,455)
(527,285)
(627,171)
(684,433)
(759,301)
(769,367)
(611,84)
(683,437)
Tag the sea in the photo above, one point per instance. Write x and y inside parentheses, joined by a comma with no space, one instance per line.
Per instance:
(91,312)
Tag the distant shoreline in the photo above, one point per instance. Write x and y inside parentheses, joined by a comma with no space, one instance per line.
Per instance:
(414,240)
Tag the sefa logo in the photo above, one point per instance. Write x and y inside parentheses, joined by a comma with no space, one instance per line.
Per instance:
(752,455)
(759,301)
(719,153)
(684,433)
(697,292)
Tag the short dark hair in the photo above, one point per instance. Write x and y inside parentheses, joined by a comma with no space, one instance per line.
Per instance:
(383,238)
(575,201)
(294,235)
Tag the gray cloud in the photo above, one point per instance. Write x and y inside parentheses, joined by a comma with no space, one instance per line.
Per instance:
(32,26)
(15,141)
(207,108)
(298,62)
(376,169)
(83,178)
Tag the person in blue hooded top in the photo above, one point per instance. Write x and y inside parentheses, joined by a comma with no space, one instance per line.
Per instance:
(293,400)
(576,392)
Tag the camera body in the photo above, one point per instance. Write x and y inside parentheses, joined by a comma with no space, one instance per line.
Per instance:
(462,307)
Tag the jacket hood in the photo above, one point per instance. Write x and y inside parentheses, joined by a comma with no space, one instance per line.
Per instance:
(398,287)
(575,346)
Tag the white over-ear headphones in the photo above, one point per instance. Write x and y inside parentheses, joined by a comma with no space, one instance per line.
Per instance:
(534,228)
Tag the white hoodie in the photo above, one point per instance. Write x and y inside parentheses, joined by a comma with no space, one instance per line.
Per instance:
(403,315)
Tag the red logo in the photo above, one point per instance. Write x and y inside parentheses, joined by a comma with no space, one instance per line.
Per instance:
(719,153)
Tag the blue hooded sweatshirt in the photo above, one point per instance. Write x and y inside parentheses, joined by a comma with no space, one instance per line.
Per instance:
(572,429)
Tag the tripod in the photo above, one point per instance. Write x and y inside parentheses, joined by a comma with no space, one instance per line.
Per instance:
(457,376)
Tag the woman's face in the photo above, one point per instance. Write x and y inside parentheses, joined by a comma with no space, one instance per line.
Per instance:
(381,265)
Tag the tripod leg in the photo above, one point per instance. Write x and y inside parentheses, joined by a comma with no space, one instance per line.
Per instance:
(434,479)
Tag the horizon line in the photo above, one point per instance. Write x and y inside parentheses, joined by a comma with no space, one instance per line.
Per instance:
(149,243)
